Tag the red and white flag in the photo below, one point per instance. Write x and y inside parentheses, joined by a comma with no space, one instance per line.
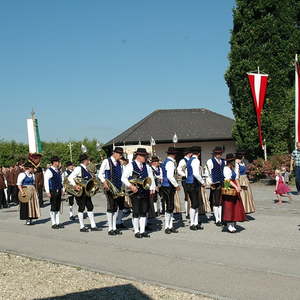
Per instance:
(297,100)
(258,84)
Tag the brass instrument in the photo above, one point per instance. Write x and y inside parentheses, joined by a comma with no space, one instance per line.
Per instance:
(116,193)
(90,187)
(70,189)
(144,183)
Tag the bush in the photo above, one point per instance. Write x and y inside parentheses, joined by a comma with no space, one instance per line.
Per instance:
(260,168)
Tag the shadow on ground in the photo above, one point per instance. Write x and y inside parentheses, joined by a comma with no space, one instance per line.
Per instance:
(119,292)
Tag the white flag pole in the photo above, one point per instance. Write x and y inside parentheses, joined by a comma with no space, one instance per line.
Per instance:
(296,100)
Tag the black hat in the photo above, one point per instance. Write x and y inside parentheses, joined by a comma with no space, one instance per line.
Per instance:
(118,150)
(28,165)
(141,151)
(218,150)
(83,157)
(230,157)
(187,150)
(154,159)
(172,151)
(240,154)
(195,149)
(54,158)
(69,163)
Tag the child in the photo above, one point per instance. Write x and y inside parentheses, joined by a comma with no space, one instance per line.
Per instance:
(281,189)
(285,174)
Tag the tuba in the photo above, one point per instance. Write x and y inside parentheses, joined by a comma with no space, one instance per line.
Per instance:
(70,189)
(143,183)
(116,193)
(91,187)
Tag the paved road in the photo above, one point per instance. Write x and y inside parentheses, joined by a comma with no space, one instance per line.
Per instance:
(260,262)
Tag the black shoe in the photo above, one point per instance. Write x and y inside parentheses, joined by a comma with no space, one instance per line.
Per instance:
(61,226)
(193,227)
(117,231)
(72,218)
(138,235)
(111,232)
(54,226)
(121,226)
(187,217)
(173,230)
(219,224)
(199,227)
(167,231)
(84,229)
(145,235)
(96,229)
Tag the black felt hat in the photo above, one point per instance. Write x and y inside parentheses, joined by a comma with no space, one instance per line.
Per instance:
(218,150)
(172,151)
(195,149)
(230,157)
(141,151)
(154,159)
(54,158)
(28,165)
(119,150)
(83,157)
(69,163)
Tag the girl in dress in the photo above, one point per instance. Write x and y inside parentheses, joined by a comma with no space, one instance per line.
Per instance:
(30,209)
(232,205)
(246,192)
(281,189)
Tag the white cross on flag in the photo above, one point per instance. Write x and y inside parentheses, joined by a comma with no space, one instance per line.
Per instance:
(258,84)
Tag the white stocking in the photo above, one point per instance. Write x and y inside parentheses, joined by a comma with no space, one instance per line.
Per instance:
(80,217)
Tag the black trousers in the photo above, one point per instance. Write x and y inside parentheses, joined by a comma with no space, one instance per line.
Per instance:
(40,195)
(12,194)
(55,200)
(71,200)
(297,171)
(3,203)
(84,202)
(215,197)
(114,204)
(140,205)
(193,190)
(186,196)
(168,194)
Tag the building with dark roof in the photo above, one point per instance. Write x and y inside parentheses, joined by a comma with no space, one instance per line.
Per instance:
(199,127)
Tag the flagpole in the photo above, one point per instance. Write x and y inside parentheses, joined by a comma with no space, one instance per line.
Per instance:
(296,100)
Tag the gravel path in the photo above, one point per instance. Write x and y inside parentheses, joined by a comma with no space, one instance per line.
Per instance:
(26,278)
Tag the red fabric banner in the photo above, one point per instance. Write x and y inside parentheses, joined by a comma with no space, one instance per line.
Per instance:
(258,85)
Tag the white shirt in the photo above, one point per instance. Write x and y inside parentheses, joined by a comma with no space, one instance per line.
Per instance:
(227,172)
(105,166)
(128,170)
(181,169)
(195,164)
(170,168)
(48,175)
(237,170)
(76,173)
(22,176)
(210,166)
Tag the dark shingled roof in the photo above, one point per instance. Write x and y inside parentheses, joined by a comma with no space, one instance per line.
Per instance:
(189,125)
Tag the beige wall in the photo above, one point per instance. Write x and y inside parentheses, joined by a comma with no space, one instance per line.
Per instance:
(206,148)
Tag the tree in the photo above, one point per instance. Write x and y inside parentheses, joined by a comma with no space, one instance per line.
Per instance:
(266,33)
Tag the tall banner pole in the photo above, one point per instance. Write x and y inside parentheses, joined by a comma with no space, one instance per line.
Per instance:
(297,100)
(258,84)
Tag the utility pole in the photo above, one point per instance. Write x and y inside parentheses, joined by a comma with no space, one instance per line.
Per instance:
(70,145)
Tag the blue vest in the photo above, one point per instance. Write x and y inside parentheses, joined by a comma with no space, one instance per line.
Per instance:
(217,171)
(28,180)
(68,172)
(242,169)
(114,173)
(55,182)
(190,175)
(142,175)
(85,174)
(233,175)
(165,182)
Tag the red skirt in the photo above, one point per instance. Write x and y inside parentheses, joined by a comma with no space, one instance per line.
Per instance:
(232,209)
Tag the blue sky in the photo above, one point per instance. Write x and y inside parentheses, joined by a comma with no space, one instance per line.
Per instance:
(93,68)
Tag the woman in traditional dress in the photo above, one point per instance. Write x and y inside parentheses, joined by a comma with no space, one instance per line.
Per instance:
(232,205)
(29,204)
(246,192)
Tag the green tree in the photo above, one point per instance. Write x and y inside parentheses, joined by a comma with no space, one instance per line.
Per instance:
(266,34)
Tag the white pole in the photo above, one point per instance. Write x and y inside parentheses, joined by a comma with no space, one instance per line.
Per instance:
(70,145)
(296,100)
(265,150)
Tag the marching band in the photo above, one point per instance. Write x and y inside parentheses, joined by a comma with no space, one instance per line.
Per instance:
(138,185)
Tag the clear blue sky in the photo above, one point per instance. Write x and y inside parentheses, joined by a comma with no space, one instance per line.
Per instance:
(93,68)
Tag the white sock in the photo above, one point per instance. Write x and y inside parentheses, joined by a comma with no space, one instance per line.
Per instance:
(119,216)
(160,205)
(216,213)
(109,221)
(186,204)
(57,217)
(155,207)
(114,220)
(142,224)
(167,220)
(171,221)
(135,222)
(196,217)
(80,217)
(52,215)
(192,216)
(91,217)
(220,213)
(71,211)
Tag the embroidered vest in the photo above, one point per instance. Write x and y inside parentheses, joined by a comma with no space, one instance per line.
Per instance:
(114,173)
(85,174)
(55,182)
(217,171)
(28,180)
(165,182)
